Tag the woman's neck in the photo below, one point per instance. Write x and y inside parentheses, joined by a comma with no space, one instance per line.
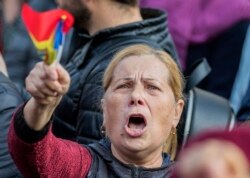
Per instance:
(145,159)
(112,15)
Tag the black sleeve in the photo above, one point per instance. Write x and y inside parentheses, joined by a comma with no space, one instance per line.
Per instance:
(23,131)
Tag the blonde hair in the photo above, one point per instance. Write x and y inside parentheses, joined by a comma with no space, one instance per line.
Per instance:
(176,79)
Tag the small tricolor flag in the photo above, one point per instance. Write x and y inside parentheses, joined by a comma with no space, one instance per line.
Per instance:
(47,31)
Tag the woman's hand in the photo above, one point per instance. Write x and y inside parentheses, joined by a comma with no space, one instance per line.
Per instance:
(47,85)
(213,159)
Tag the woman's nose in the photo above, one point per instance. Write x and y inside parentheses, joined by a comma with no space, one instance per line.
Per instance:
(137,97)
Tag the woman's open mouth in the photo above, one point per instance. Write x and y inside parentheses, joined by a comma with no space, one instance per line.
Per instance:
(136,125)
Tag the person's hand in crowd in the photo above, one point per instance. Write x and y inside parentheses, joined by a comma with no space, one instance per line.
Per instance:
(47,85)
(3,67)
(213,159)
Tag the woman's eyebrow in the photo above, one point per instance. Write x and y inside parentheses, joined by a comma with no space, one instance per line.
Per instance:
(145,79)
(152,80)
(124,79)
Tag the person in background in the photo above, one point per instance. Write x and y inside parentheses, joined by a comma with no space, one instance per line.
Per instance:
(1,27)
(10,99)
(3,68)
(216,154)
(143,100)
(215,30)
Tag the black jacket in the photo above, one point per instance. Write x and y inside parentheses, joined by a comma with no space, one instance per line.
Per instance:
(104,165)
(79,116)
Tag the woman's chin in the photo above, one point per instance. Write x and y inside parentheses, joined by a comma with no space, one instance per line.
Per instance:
(136,143)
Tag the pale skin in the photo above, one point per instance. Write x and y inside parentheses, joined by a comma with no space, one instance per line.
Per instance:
(3,68)
(214,159)
(140,86)
(11,9)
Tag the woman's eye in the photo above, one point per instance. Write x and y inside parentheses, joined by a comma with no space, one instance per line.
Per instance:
(152,87)
(125,85)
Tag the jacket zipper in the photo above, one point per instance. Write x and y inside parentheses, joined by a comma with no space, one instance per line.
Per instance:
(135,172)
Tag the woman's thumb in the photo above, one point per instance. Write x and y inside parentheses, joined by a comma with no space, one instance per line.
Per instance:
(63,75)
(51,71)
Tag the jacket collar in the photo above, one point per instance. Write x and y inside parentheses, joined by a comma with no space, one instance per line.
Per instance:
(103,148)
(151,18)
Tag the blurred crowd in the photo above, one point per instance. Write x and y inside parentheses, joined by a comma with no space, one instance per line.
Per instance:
(194,29)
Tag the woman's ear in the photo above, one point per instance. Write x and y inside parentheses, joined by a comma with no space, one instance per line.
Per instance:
(178,111)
